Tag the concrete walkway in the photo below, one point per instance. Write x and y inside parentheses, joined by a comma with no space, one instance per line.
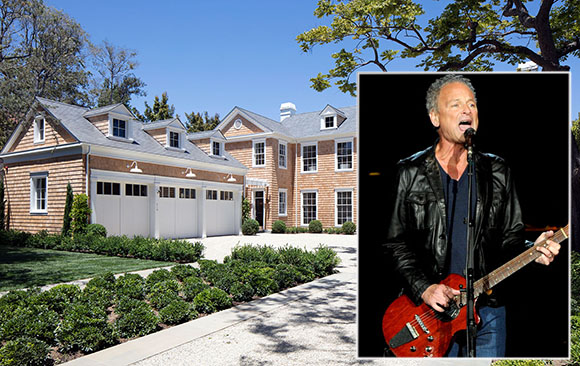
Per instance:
(311,324)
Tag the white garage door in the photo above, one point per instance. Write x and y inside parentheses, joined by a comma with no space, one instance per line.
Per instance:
(220,213)
(177,212)
(123,209)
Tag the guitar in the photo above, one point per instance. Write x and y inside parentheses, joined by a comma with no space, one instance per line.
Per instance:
(420,331)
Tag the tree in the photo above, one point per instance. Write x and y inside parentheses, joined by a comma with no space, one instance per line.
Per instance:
(80,213)
(160,110)
(117,82)
(66,224)
(197,122)
(466,35)
(2,204)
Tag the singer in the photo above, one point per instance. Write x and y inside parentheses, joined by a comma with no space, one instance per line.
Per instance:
(426,238)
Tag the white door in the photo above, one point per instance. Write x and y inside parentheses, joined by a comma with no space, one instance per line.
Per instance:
(135,210)
(220,213)
(186,213)
(166,211)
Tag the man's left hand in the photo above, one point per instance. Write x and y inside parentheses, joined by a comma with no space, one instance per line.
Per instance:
(550,252)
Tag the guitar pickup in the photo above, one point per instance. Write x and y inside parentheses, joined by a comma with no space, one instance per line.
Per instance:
(407,334)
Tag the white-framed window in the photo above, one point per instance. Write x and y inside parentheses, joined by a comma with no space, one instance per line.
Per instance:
(282,154)
(174,139)
(119,128)
(344,155)
(135,190)
(166,192)
(109,188)
(343,206)
(211,195)
(39,125)
(282,202)
(309,207)
(309,158)
(226,195)
(259,153)
(187,193)
(328,121)
(216,148)
(39,192)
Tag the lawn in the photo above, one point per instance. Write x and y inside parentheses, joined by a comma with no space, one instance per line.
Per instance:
(27,267)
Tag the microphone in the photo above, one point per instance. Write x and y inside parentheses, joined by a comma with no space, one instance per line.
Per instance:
(469,134)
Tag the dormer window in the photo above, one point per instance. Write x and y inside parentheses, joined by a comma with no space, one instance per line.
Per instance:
(331,118)
(329,122)
(217,148)
(174,139)
(39,130)
(119,128)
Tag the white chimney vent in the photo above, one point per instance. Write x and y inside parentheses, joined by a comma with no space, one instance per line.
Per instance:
(287,110)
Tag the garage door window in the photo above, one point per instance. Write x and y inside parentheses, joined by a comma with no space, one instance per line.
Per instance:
(136,190)
(109,189)
(211,195)
(226,195)
(187,193)
(167,192)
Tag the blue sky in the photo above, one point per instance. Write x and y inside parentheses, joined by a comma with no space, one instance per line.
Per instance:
(215,55)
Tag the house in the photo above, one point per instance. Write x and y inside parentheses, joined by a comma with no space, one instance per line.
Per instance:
(301,168)
(141,179)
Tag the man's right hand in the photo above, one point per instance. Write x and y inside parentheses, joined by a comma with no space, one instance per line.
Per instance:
(437,296)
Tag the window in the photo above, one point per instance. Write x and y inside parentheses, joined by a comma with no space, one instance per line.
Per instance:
(216,148)
(39,129)
(259,153)
(109,189)
(167,192)
(309,159)
(343,206)
(329,122)
(119,128)
(226,195)
(344,155)
(174,139)
(309,207)
(282,153)
(187,193)
(282,202)
(211,194)
(136,190)
(38,192)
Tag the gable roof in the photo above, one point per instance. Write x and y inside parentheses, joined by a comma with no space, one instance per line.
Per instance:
(74,119)
(171,122)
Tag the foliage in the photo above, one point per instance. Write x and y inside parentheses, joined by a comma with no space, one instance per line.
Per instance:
(211,300)
(80,213)
(246,209)
(176,312)
(576,129)
(348,228)
(315,226)
(66,220)
(250,227)
(162,293)
(97,229)
(325,261)
(242,291)
(160,110)
(130,285)
(24,351)
(197,122)
(139,321)
(192,286)
(464,35)
(35,321)
(59,297)
(183,271)
(279,227)
(575,339)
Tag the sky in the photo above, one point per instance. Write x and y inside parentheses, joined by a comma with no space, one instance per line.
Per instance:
(215,55)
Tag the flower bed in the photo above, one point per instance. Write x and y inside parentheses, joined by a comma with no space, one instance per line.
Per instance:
(40,328)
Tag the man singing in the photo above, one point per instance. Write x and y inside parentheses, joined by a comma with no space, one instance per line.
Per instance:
(427,232)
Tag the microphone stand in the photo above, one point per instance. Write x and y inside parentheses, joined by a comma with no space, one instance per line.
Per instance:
(471,325)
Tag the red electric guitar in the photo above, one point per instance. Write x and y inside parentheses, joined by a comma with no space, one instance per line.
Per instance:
(420,331)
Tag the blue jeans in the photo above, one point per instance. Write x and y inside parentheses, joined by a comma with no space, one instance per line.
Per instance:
(490,338)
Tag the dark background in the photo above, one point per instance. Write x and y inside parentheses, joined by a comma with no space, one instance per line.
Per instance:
(524,118)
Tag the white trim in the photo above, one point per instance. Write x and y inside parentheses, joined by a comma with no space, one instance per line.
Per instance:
(336,191)
(336,167)
(36,123)
(254,142)
(236,111)
(285,144)
(221,147)
(302,191)
(305,144)
(254,190)
(128,129)
(285,213)
(33,192)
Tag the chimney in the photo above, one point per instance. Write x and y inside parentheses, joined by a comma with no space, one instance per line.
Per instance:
(287,110)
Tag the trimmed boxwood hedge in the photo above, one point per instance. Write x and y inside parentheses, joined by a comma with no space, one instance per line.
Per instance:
(108,309)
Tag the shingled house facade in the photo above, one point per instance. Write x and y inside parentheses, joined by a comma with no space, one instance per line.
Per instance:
(141,179)
(301,168)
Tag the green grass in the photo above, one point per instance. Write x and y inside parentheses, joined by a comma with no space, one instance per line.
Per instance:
(27,267)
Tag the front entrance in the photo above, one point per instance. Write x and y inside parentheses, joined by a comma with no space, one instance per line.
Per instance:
(259,207)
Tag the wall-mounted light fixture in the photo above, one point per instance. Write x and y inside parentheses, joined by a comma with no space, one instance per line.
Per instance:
(231,178)
(189,173)
(134,168)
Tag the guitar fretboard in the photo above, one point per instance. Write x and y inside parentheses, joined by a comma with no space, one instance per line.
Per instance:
(493,278)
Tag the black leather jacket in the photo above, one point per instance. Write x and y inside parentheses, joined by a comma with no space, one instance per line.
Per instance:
(417,239)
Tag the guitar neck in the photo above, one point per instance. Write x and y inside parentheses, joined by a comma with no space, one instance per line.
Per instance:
(493,278)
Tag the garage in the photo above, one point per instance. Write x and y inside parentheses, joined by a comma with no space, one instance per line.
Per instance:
(177,212)
(220,213)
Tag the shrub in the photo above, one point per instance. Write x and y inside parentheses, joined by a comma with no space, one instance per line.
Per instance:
(127,304)
(176,312)
(279,227)
(254,253)
(84,327)
(139,321)
(348,228)
(97,229)
(192,286)
(59,297)
(130,285)
(246,209)
(183,271)
(24,351)
(325,261)
(315,226)
(159,275)
(286,275)
(36,321)
(242,291)
(162,293)
(262,281)
(66,220)
(250,227)
(80,214)
(212,300)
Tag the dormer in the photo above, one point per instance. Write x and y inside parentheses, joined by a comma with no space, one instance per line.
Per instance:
(211,142)
(113,121)
(331,118)
(170,133)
